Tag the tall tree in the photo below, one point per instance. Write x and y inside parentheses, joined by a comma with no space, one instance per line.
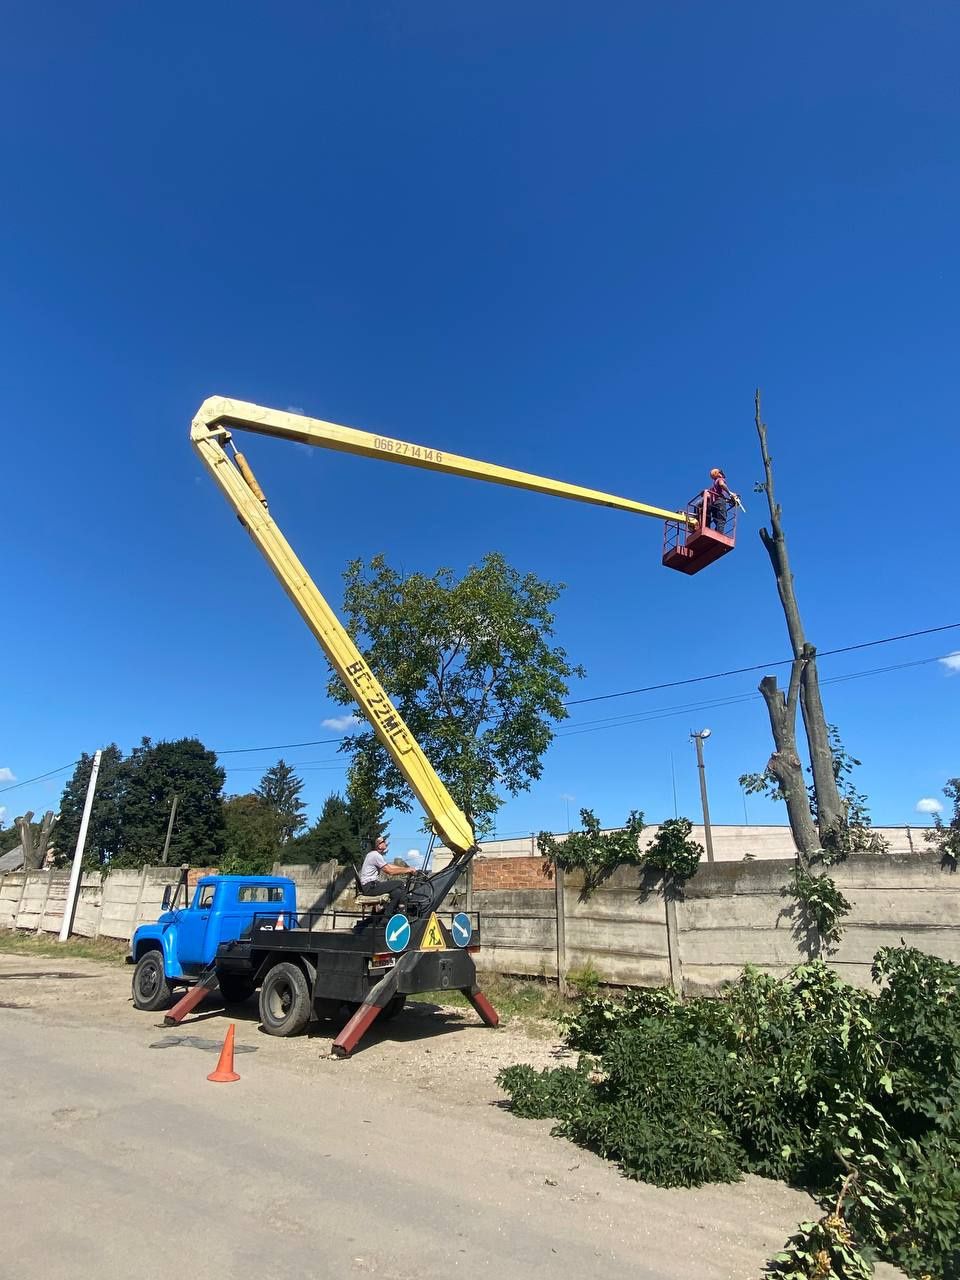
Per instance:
(333,837)
(251,836)
(104,835)
(829,807)
(365,805)
(280,788)
(154,773)
(469,667)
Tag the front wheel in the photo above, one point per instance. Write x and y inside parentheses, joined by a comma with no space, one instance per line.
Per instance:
(285,1000)
(150,987)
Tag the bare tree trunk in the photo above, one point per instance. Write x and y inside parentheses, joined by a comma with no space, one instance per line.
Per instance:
(46,827)
(830,810)
(30,862)
(785,763)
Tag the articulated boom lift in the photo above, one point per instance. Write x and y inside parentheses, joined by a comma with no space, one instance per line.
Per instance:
(689,545)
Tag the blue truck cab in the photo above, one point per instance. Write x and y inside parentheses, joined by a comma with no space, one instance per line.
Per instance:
(184,941)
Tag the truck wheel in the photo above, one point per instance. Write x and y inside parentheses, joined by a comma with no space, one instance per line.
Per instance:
(234,988)
(285,1000)
(150,987)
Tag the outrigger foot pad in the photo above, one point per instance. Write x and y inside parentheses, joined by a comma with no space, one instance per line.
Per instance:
(483,1006)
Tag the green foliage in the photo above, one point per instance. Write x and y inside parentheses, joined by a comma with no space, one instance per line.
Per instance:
(944,838)
(469,667)
(598,853)
(852,1094)
(251,836)
(105,832)
(856,834)
(822,905)
(365,804)
(153,774)
(9,837)
(280,789)
(673,852)
(594,852)
(131,806)
(821,1250)
(333,837)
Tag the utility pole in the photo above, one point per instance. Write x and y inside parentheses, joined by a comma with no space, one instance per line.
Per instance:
(166,843)
(71,902)
(707,833)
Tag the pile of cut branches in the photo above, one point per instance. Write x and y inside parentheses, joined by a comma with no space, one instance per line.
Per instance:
(853,1095)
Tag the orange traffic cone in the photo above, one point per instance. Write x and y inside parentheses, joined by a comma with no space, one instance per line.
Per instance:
(225,1071)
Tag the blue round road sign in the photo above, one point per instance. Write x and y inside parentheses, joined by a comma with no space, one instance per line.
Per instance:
(462,929)
(398,933)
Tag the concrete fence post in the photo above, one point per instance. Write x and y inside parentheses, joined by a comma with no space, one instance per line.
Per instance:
(43,903)
(561,930)
(140,889)
(103,894)
(673,943)
(23,889)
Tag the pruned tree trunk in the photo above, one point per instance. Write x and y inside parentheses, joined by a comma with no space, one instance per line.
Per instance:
(785,763)
(46,826)
(27,844)
(830,810)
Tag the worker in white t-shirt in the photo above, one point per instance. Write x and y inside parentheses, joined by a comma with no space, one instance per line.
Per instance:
(378,876)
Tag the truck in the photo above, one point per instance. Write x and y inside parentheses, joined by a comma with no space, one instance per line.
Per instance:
(245,934)
(302,962)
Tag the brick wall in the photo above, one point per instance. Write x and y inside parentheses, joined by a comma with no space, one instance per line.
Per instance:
(512,873)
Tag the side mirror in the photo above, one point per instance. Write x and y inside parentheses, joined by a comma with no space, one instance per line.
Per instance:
(167,895)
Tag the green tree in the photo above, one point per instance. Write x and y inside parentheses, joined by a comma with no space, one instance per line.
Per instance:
(154,773)
(365,807)
(280,788)
(333,837)
(945,837)
(469,667)
(251,836)
(9,837)
(105,833)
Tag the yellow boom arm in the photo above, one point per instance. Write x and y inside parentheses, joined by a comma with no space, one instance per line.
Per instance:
(211,437)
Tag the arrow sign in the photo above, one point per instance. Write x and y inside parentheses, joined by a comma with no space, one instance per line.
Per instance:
(462,929)
(397,933)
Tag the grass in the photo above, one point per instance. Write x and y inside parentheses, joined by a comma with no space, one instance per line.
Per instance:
(511,997)
(112,950)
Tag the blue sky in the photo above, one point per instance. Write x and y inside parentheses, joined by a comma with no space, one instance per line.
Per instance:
(569,238)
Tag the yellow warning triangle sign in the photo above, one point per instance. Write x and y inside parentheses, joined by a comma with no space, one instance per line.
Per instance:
(433,939)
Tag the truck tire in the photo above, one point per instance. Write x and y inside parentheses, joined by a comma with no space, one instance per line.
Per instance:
(150,987)
(234,987)
(284,1000)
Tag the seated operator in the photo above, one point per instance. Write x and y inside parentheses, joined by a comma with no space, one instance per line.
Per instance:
(376,873)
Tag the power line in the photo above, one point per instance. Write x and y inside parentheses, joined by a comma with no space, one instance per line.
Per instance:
(623,693)
(281,746)
(40,777)
(662,713)
(760,666)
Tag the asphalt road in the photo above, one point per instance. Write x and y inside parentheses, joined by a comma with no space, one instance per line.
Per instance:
(119,1160)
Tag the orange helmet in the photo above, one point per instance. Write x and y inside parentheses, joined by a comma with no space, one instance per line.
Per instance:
(715,473)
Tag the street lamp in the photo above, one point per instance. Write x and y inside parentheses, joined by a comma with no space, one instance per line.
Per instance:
(698,740)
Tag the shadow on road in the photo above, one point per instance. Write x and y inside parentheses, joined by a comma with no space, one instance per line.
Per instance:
(416,1022)
(9,977)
